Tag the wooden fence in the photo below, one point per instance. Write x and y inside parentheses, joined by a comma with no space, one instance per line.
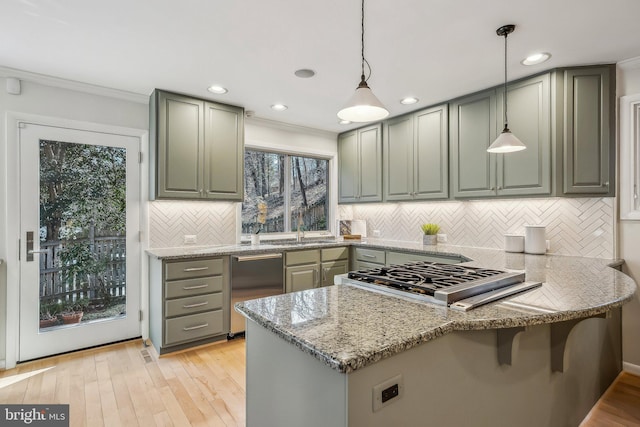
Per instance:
(58,284)
(313,218)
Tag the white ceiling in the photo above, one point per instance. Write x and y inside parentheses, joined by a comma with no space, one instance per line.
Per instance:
(432,49)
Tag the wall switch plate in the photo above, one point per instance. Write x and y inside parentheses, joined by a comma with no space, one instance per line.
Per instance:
(190,239)
(387,392)
(442,238)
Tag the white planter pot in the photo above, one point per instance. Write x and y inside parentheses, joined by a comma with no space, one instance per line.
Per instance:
(429,239)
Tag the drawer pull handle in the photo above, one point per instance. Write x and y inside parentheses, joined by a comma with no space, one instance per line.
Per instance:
(192,328)
(368,256)
(188,288)
(188,270)
(199,304)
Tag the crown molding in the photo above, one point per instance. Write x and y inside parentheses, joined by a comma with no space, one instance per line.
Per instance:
(630,64)
(290,127)
(73,85)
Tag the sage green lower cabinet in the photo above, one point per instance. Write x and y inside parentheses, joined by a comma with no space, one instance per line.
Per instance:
(360,165)
(475,123)
(314,268)
(364,258)
(189,302)
(302,270)
(334,261)
(416,156)
(589,141)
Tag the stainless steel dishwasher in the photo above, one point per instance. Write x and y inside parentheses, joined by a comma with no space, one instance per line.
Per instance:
(253,276)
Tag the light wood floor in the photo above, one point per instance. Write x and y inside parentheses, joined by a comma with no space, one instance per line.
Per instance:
(618,406)
(128,385)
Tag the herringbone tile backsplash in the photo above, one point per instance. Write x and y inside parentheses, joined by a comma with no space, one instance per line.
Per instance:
(583,226)
(213,223)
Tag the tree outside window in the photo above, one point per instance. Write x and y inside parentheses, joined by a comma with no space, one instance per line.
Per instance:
(283,192)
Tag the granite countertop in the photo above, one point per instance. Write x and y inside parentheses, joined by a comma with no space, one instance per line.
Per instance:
(349,328)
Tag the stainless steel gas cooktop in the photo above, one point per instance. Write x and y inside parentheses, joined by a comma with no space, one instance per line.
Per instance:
(460,287)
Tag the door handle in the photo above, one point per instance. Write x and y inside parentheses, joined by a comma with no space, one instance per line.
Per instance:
(29,248)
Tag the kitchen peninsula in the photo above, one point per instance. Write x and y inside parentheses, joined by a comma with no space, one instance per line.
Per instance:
(328,356)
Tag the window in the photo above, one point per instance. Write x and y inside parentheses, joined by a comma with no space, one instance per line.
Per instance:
(283,192)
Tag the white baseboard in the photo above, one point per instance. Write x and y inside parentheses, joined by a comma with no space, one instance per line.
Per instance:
(631,368)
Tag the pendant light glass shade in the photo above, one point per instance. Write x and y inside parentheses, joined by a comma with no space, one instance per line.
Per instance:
(363,106)
(506,141)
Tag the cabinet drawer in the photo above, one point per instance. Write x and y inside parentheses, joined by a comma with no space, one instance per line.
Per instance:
(192,305)
(370,255)
(335,254)
(191,287)
(193,327)
(193,268)
(303,257)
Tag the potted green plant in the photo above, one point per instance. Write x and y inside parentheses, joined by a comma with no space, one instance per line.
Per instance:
(48,312)
(74,310)
(430,233)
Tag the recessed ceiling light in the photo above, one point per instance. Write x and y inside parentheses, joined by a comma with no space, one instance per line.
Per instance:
(279,107)
(217,89)
(536,58)
(304,73)
(345,122)
(409,100)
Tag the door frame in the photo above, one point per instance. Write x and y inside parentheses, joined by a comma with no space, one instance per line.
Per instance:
(13,218)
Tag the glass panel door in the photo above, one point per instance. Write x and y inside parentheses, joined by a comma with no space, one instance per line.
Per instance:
(79,222)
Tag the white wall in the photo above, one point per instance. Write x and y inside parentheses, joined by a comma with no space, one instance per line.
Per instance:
(629,239)
(42,96)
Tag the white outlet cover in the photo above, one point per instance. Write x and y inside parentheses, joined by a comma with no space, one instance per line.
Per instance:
(442,238)
(377,392)
(190,238)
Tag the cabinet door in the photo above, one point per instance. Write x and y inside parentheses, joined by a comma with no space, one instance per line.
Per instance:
(223,152)
(179,150)
(302,277)
(348,167)
(527,172)
(431,154)
(472,130)
(399,160)
(331,269)
(370,150)
(587,132)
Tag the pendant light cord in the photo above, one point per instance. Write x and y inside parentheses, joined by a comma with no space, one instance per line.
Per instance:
(363,79)
(506,121)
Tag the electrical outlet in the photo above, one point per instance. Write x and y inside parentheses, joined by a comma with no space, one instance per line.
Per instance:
(387,392)
(442,238)
(376,233)
(190,239)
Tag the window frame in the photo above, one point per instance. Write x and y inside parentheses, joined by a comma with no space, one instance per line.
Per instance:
(332,198)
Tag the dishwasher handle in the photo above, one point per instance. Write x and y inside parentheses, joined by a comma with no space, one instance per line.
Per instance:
(245,258)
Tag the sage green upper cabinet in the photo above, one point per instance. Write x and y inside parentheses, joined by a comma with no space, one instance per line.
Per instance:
(475,123)
(197,148)
(526,172)
(360,165)
(416,156)
(472,130)
(588,150)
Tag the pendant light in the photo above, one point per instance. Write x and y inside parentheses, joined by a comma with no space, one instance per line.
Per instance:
(506,141)
(363,106)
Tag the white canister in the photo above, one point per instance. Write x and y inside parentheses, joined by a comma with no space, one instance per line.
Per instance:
(534,239)
(255,239)
(513,243)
